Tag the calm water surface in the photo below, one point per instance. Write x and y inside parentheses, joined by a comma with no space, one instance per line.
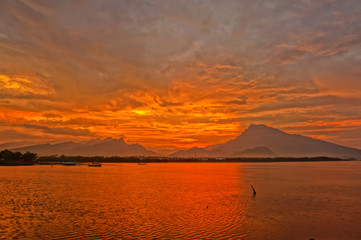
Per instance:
(319,200)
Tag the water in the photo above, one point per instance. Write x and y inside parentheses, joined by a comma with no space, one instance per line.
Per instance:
(319,200)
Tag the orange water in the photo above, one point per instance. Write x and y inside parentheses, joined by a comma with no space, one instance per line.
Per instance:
(182,200)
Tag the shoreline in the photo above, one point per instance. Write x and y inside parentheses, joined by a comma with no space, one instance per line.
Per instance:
(80,159)
(55,160)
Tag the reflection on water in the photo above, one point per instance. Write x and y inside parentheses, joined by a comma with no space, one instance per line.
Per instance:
(182,200)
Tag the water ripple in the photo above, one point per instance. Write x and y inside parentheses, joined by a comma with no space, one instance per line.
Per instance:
(176,201)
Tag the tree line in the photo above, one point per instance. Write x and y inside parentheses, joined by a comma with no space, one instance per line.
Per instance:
(9,156)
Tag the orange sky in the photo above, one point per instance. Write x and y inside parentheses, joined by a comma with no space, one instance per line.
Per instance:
(179,74)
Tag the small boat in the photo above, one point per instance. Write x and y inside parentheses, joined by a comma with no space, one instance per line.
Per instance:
(69,163)
(142,163)
(95,164)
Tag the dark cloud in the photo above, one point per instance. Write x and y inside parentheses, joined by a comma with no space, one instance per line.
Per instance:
(61,131)
(10,135)
(319,101)
(237,102)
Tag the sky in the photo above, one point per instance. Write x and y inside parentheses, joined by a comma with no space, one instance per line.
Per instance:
(179,74)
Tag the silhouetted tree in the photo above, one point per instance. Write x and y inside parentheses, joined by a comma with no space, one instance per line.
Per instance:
(6,155)
(16,156)
(29,157)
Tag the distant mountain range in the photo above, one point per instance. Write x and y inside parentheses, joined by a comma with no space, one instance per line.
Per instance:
(264,141)
(256,141)
(12,145)
(96,147)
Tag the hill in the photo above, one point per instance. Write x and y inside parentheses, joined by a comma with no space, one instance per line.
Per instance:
(97,147)
(256,138)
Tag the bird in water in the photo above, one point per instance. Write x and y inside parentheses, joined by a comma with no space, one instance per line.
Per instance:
(254,191)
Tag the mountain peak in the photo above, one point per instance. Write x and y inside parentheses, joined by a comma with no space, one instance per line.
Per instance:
(260,128)
(110,139)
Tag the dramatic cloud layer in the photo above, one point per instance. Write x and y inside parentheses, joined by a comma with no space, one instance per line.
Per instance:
(179,73)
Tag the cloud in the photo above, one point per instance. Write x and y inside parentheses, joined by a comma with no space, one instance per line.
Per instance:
(238,102)
(167,70)
(22,87)
(10,135)
(308,102)
(61,131)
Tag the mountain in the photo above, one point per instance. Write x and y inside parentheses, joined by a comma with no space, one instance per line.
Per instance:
(255,141)
(96,147)
(279,144)
(192,153)
(10,145)
(256,152)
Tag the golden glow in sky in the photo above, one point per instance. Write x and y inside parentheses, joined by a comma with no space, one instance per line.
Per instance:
(181,74)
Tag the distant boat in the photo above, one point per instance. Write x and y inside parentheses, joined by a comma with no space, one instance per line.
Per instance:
(69,163)
(142,163)
(95,164)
